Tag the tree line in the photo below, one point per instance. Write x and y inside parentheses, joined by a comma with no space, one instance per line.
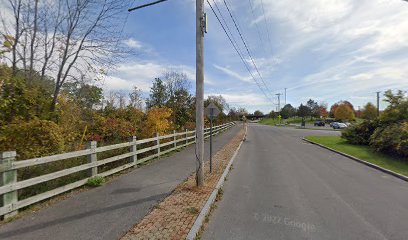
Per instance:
(386,132)
(84,112)
(341,110)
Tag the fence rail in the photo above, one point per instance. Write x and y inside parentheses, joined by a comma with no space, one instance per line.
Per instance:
(9,185)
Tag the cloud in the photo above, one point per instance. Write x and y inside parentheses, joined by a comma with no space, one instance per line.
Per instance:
(142,73)
(233,74)
(249,100)
(132,43)
(307,15)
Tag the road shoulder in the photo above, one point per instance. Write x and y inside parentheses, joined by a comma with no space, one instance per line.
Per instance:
(182,213)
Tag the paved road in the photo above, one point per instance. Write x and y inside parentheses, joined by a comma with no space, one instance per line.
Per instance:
(283,188)
(110,211)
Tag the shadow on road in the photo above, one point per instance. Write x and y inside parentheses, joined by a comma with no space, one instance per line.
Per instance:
(39,226)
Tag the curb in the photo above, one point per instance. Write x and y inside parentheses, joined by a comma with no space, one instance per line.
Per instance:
(210,201)
(319,129)
(402,177)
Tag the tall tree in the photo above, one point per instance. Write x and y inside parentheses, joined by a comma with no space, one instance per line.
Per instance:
(175,81)
(314,109)
(344,112)
(181,103)
(336,105)
(87,96)
(303,111)
(90,37)
(158,94)
(219,101)
(258,113)
(135,98)
(369,111)
(74,37)
(288,111)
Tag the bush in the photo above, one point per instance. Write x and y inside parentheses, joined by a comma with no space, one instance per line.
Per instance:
(95,181)
(31,139)
(111,130)
(157,121)
(360,133)
(392,138)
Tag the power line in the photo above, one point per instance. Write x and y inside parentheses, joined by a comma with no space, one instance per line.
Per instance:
(145,5)
(266,24)
(225,22)
(246,46)
(256,24)
(241,57)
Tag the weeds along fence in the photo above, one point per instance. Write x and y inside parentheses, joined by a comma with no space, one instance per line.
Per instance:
(25,182)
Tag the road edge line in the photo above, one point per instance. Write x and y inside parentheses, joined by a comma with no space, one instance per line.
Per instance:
(195,229)
(372,165)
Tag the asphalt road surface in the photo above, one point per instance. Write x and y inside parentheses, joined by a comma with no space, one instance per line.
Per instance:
(109,211)
(283,188)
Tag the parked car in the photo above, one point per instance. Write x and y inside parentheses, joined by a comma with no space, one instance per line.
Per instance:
(319,123)
(337,125)
(331,124)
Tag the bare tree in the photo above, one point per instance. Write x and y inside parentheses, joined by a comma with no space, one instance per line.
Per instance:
(16,8)
(136,99)
(122,99)
(33,40)
(50,23)
(64,39)
(175,81)
(90,37)
(111,99)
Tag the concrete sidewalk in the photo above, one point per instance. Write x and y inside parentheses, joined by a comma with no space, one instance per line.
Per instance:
(109,211)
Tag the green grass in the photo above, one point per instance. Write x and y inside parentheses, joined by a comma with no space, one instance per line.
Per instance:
(275,121)
(319,128)
(363,152)
(95,181)
(270,121)
(299,120)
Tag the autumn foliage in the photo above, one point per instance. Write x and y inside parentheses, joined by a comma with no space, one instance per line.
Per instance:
(157,121)
(344,112)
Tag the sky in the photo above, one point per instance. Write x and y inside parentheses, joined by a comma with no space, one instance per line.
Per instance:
(327,50)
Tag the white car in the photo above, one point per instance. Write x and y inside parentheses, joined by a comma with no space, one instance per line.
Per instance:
(337,125)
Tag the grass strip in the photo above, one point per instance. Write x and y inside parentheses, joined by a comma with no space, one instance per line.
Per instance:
(365,153)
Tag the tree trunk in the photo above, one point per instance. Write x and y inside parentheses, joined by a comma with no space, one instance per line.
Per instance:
(33,40)
(55,99)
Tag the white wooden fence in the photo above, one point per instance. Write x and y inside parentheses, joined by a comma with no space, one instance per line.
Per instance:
(8,166)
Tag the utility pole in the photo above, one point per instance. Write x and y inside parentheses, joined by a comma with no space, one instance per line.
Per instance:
(279,109)
(285,96)
(200,29)
(378,104)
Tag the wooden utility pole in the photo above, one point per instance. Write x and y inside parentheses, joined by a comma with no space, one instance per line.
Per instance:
(200,29)
(285,96)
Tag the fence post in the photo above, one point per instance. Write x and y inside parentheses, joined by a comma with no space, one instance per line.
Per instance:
(133,149)
(8,177)
(92,158)
(158,144)
(174,139)
(186,137)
